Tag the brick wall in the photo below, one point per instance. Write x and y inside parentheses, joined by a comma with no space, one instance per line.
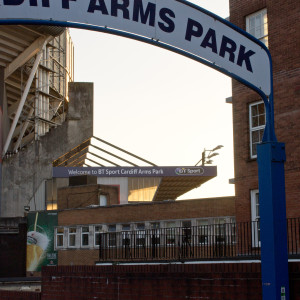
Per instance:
(185,209)
(16,295)
(284,45)
(217,281)
(229,281)
(85,195)
(78,257)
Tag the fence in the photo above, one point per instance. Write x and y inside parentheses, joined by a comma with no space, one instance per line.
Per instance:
(226,241)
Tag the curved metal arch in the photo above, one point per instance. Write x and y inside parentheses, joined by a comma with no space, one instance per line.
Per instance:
(269,134)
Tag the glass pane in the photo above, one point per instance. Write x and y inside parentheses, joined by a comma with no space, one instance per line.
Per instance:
(60,240)
(202,222)
(72,230)
(112,240)
(257,205)
(98,228)
(252,24)
(126,227)
(254,110)
(155,225)
(85,229)
(186,224)
(112,228)
(255,137)
(97,239)
(140,226)
(261,121)
(171,236)
(170,224)
(261,109)
(60,230)
(72,240)
(85,240)
(255,122)
(261,134)
(257,24)
(254,149)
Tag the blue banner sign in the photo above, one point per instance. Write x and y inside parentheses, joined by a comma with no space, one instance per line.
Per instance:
(207,171)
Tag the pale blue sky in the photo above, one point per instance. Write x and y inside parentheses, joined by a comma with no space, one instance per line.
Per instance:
(157,104)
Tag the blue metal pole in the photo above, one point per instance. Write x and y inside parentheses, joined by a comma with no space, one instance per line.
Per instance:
(273,223)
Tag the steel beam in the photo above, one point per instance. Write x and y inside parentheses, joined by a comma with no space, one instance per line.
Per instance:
(28,53)
(23,98)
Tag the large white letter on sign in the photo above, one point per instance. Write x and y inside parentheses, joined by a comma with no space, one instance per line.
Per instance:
(176,24)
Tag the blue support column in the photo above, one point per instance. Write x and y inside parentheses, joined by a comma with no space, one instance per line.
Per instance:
(273,224)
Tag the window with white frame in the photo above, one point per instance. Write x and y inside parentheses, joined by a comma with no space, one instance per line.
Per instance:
(112,236)
(98,230)
(85,232)
(155,233)
(59,237)
(72,236)
(255,218)
(220,230)
(140,234)
(203,231)
(170,233)
(257,25)
(257,123)
(186,232)
(126,235)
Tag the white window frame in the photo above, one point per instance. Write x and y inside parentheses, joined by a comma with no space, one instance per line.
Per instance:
(256,128)
(155,233)
(255,227)
(85,233)
(171,232)
(140,234)
(57,234)
(100,231)
(262,14)
(112,233)
(186,232)
(70,234)
(126,235)
(203,230)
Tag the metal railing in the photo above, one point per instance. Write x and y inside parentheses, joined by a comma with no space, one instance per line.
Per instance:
(222,241)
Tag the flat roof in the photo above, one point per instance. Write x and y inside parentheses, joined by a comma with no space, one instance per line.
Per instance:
(175,180)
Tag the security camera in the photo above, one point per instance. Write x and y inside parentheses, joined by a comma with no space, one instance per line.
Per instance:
(27,208)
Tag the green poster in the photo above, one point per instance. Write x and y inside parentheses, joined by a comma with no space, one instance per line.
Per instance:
(40,240)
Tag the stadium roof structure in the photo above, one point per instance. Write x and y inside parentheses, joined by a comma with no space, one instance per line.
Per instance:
(97,153)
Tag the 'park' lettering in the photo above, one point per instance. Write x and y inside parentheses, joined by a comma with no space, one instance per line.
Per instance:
(228,47)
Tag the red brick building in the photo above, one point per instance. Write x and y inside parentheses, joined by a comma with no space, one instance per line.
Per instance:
(275,23)
(79,230)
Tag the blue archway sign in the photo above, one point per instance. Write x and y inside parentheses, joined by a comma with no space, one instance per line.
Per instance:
(194,32)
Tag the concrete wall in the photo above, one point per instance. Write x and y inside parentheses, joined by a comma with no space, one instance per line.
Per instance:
(23,173)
